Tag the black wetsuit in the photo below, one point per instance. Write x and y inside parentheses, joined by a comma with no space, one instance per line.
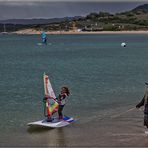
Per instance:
(61,100)
(144,102)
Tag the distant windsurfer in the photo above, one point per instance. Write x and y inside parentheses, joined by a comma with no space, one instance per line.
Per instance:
(44,38)
(144,102)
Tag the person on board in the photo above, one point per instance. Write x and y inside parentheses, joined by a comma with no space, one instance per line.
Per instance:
(62,99)
(44,38)
(144,102)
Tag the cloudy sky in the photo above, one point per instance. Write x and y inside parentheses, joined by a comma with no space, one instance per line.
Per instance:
(18,9)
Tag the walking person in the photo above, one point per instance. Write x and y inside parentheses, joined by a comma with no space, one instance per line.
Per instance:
(144,102)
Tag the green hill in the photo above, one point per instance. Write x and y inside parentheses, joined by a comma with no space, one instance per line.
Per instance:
(135,19)
(142,7)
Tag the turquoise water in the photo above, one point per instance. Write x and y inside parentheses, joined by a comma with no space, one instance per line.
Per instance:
(105,79)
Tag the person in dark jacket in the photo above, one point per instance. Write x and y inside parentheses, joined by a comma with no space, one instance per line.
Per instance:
(144,102)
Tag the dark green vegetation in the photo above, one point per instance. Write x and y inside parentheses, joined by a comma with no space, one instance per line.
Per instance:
(136,19)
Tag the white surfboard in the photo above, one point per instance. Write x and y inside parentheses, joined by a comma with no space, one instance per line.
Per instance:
(55,123)
(40,44)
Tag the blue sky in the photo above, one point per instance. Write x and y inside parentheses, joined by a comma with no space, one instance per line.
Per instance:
(20,9)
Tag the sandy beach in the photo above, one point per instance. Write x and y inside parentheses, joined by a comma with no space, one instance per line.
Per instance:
(32,31)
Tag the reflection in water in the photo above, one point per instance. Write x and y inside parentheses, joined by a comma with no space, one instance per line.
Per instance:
(34,129)
(56,138)
(61,137)
(48,136)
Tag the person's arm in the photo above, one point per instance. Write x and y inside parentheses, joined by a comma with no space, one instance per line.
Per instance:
(141,103)
(45,98)
(63,96)
(48,97)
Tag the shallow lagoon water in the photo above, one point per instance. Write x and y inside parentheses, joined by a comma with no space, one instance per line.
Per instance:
(105,79)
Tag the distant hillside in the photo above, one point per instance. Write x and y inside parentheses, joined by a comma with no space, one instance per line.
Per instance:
(29,21)
(135,19)
(142,7)
(36,21)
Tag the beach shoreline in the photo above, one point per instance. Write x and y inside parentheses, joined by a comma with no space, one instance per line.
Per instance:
(31,31)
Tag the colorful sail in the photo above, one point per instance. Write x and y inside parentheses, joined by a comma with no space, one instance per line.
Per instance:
(51,104)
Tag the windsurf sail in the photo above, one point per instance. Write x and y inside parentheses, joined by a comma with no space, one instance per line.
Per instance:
(44,37)
(50,104)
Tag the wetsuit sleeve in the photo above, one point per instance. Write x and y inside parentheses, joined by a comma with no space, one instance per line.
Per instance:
(141,103)
(63,97)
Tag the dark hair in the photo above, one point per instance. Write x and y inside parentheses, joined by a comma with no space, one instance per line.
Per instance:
(67,90)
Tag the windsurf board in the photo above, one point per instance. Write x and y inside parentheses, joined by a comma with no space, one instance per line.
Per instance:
(55,123)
